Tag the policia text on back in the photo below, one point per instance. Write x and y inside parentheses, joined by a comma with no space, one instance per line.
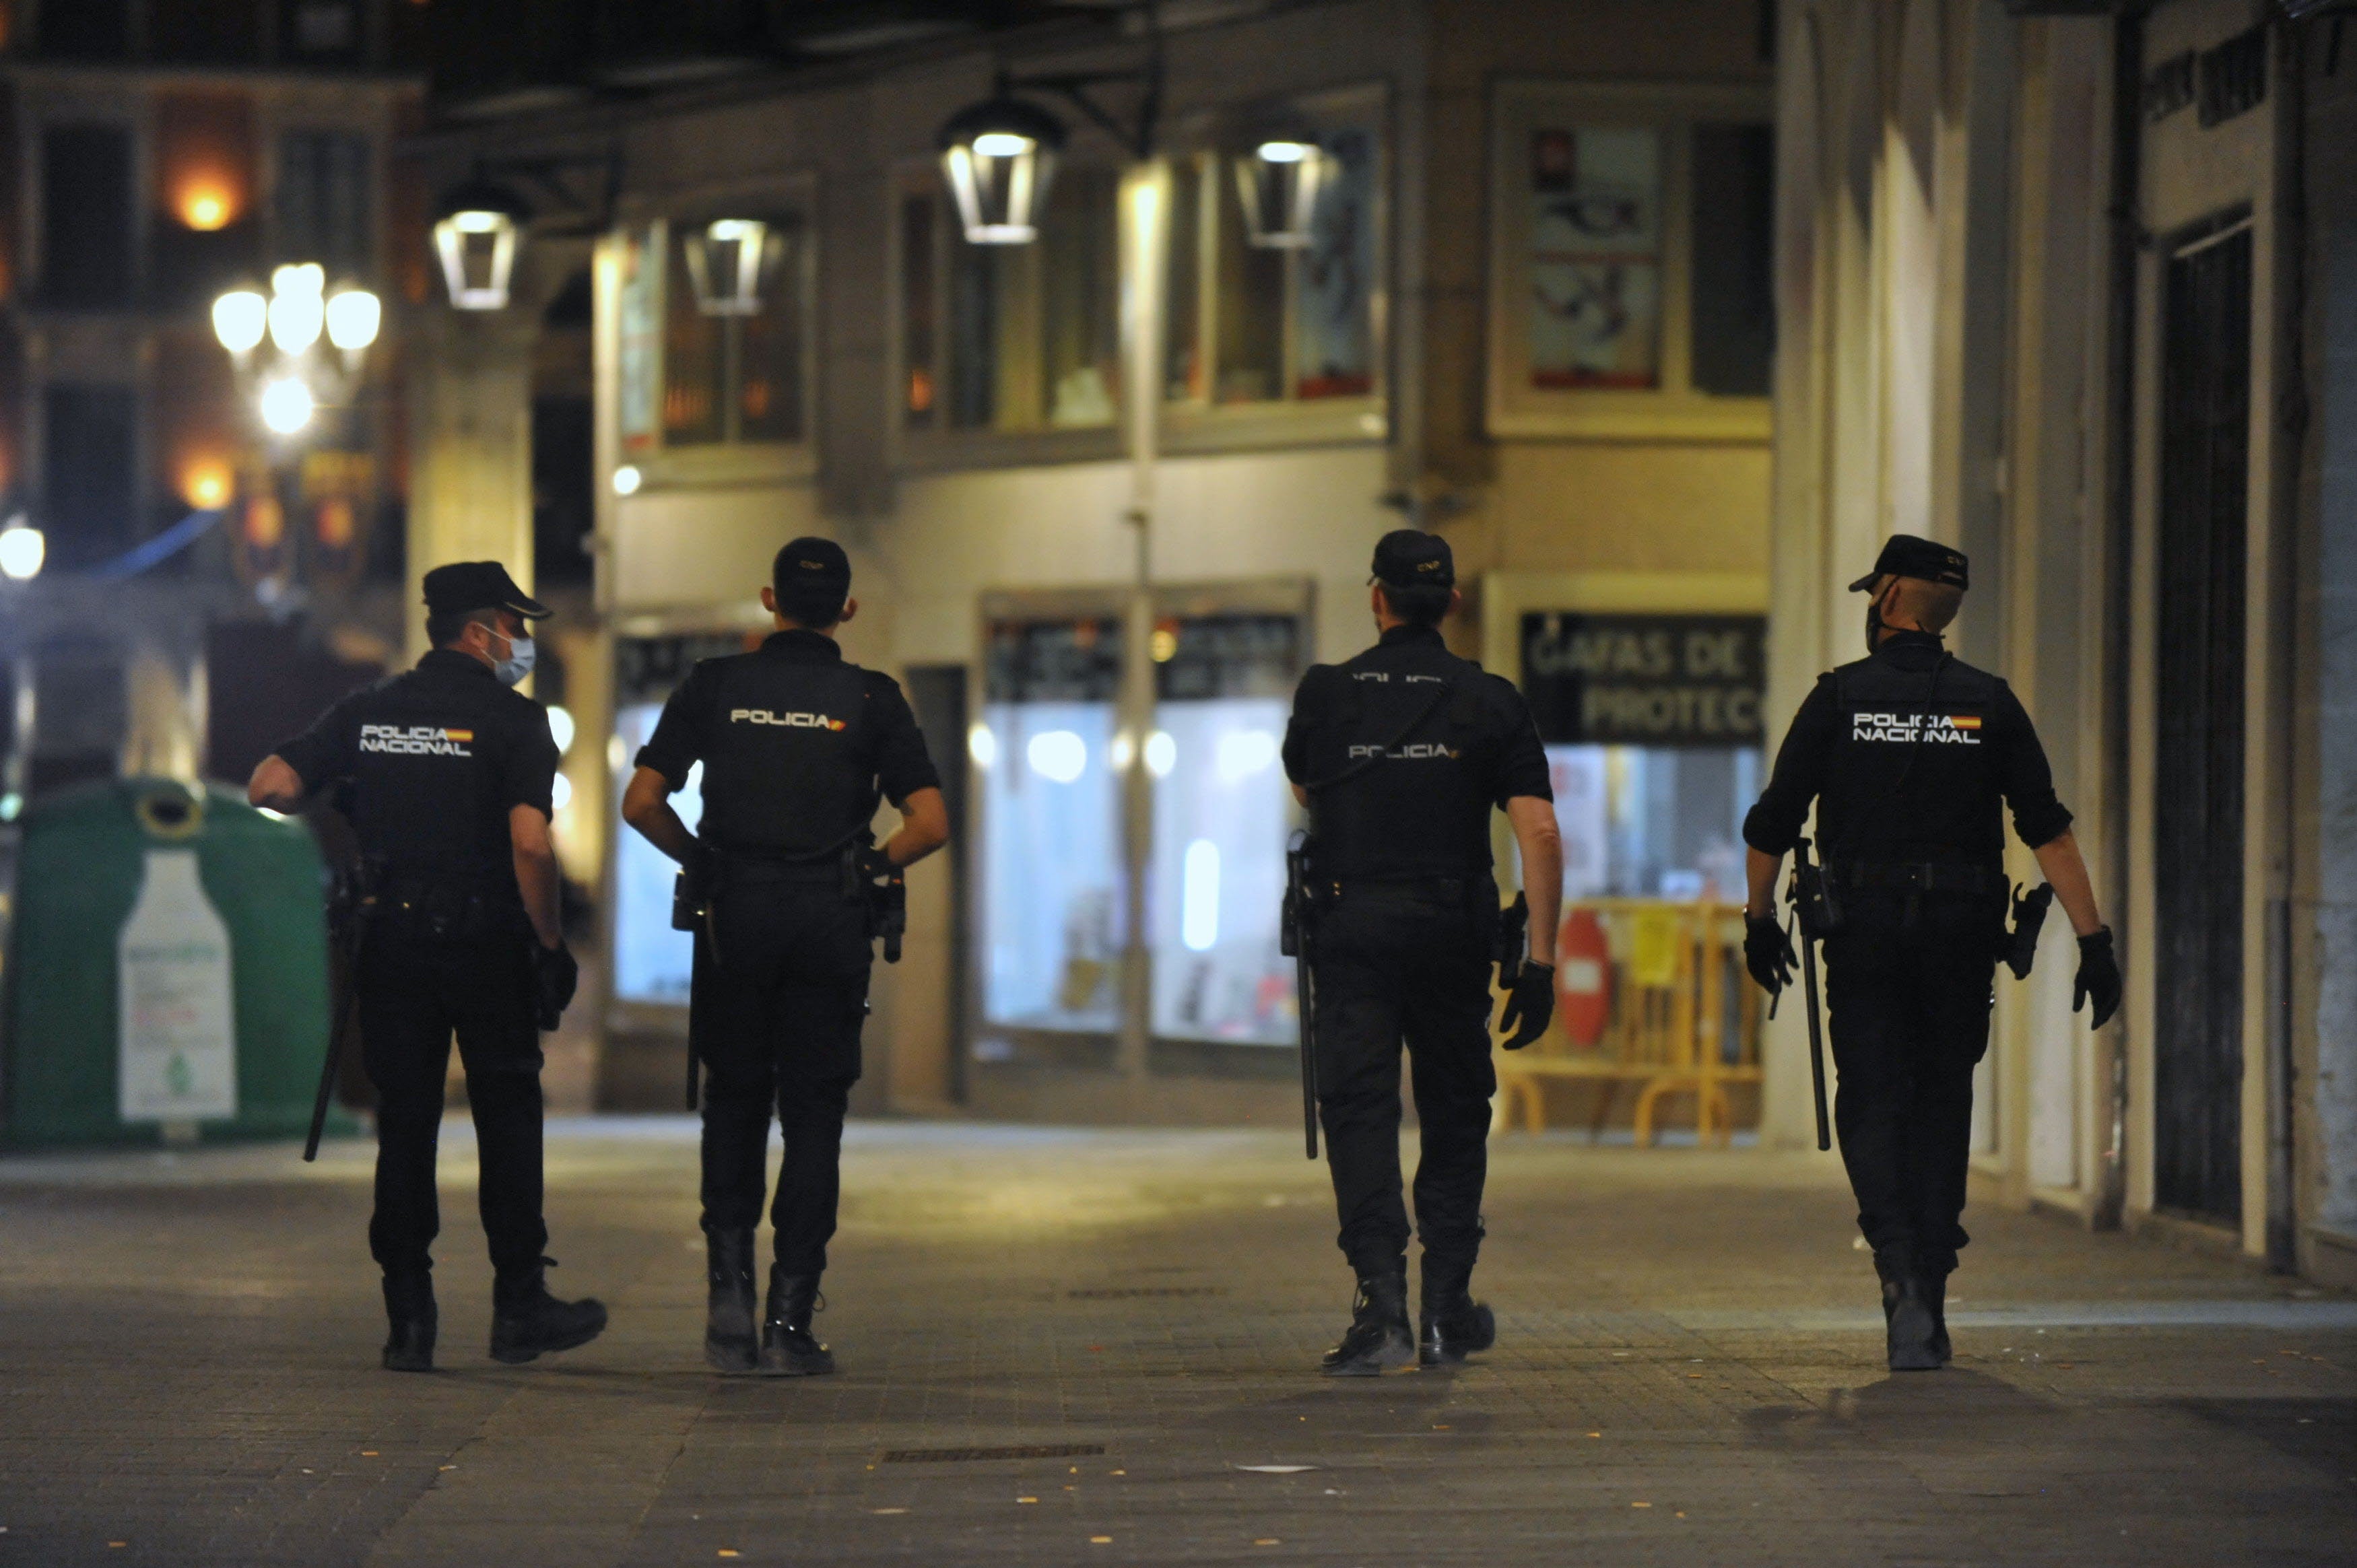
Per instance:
(1400,754)
(787,893)
(1911,758)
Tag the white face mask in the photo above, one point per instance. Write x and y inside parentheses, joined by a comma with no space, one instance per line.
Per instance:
(518,663)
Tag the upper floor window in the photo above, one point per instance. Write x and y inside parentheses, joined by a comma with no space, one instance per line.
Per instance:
(1011,338)
(323,203)
(1632,252)
(86,215)
(713,332)
(1264,325)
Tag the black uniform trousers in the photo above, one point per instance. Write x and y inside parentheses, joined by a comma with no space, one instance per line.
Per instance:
(1393,962)
(415,991)
(779,1015)
(1908,1002)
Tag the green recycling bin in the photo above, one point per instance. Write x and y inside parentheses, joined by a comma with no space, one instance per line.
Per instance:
(168,977)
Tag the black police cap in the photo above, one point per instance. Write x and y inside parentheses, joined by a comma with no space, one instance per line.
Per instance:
(1905,555)
(478,585)
(1410,558)
(811,562)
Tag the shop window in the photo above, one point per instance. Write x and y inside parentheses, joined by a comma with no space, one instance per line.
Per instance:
(1631,262)
(713,324)
(1224,685)
(652,963)
(1052,884)
(86,218)
(1012,338)
(323,201)
(1253,325)
(1652,731)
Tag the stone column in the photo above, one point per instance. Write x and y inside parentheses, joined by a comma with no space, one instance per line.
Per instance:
(469,376)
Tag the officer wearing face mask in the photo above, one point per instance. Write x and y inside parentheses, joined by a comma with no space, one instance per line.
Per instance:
(446,775)
(1908,754)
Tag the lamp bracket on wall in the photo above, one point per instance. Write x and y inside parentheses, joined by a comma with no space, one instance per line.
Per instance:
(1138,137)
(583,190)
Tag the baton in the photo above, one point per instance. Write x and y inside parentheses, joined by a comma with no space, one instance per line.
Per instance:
(346,1006)
(1305,999)
(1808,983)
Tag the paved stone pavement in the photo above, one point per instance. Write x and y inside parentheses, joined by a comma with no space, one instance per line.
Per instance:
(1686,1373)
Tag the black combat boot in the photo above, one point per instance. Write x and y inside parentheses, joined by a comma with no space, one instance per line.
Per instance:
(1378,1336)
(731,1340)
(527,1322)
(1933,1285)
(409,1308)
(1452,1325)
(789,1349)
(1910,1325)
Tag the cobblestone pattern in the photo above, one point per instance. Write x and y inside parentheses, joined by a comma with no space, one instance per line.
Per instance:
(1687,1373)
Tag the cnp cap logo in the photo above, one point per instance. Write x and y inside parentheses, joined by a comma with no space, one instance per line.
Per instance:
(785,721)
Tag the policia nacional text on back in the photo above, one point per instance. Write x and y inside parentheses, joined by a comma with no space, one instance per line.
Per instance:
(1908,754)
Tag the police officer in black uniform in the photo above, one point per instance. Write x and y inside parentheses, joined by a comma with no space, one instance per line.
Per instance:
(798,746)
(445,775)
(1399,754)
(1907,754)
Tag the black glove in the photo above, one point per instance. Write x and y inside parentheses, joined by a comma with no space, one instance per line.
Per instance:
(1768,953)
(555,974)
(1530,1005)
(2099,977)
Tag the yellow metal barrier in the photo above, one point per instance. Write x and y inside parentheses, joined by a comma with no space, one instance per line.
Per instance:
(1682,1019)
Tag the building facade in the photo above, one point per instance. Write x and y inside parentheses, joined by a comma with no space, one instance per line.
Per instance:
(2069,285)
(1107,494)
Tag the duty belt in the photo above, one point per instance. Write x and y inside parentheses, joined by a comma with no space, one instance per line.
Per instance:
(1440,889)
(1917,877)
(748,871)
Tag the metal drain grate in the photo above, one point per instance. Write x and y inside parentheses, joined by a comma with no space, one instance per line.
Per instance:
(960,1455)
(1132,1293)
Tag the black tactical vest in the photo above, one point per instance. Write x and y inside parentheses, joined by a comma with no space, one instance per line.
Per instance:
(1399,784)
(1913,746)
(789,759)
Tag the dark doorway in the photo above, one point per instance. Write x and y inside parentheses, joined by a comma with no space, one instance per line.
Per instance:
(2198,794)
(937,692)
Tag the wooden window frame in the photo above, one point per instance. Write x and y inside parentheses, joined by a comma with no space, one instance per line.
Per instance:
(1202,424)
(1676,409)
(725,462)
(943,447)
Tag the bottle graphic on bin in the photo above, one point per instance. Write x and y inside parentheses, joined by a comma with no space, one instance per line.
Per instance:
(178,1045)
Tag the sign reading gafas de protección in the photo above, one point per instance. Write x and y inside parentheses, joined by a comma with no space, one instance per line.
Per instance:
(1644,680)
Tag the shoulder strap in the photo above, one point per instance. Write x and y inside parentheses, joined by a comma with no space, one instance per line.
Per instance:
(1352,771)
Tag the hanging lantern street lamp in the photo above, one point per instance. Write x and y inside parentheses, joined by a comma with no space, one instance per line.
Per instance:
(477,229)
(999,158)
(1278,184)
(728,262)
(296,312)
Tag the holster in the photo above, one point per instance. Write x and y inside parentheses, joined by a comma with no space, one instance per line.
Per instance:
(2028,917)
(691,890)
(870,879)
(1512,944)
(1297,915)
(1818,899)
